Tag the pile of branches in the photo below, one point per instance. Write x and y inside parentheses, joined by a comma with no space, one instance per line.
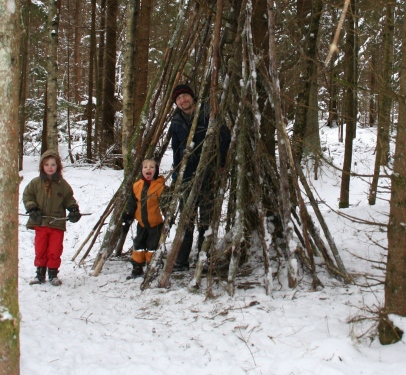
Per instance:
(260,188)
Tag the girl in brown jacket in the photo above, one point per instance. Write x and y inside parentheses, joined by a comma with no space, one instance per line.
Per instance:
(46,198)
(143,204)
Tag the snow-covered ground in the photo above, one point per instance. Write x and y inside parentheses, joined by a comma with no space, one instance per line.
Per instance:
(106,325)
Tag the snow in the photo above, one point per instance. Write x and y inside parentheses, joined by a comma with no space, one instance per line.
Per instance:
(106,325)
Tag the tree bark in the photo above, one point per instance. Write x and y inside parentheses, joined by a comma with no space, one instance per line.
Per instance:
(143,29)
(384,102)
(9,79)
(395,280)
(92,63)
(350,108)
(25,30)
(108,134)
(283,155)
(44,138)
(128,83)
(100,77)
(76,53)
(52,75)
(395,283)
(307,76)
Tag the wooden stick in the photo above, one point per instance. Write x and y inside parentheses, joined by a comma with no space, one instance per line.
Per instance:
(100,222)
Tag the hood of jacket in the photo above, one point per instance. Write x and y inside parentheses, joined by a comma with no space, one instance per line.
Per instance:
(49,153)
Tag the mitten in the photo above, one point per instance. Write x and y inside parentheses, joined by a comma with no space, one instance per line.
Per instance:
(35,215)
(74,215)
(127,220)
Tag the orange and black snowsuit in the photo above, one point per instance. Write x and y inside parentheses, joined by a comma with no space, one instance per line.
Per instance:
(144,205)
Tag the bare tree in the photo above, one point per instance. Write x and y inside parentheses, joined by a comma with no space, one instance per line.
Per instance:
(395,282)
(52,75)
(128,83)
(99,76)
(108,134)
(142,43)
(9,180)
(309,33)
(76,52)
(384,101)
(25,29)
(350,107)
(92,64)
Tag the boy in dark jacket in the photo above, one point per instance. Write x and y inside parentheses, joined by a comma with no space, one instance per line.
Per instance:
(45,198)
(143,204)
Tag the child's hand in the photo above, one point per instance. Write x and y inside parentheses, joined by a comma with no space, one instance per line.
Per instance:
(74,215)
(126,221)
(35,215)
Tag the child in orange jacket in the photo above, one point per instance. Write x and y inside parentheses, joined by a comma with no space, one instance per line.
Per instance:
(143,204)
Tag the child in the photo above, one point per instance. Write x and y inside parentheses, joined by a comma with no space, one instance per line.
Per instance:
(45,198)
(143,205)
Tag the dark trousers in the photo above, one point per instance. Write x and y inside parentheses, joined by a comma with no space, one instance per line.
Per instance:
(147,238)
(203,208)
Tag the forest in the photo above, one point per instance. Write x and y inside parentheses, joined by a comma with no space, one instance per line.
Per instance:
(98,76)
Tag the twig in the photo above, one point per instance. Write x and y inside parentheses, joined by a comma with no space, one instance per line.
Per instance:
(245,342)
(95,231)
(55,218)
(333,45)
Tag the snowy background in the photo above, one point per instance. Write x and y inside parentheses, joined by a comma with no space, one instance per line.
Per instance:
(106,325)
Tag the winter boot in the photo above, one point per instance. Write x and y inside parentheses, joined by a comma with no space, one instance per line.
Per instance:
(180,267)
(137,270)
(53,277)
(40,278)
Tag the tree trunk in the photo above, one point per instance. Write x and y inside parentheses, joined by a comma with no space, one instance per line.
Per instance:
(395,281)
(92,60)
(76,53)
(283,156)
(311,141)
(68,92)
(384,103)
(350,109)
(372,85)
(25,30)
(128,83)
(44,139)
(395,284)
(100,77)
(143,28)
(52,74)
(9,80)
(109,77)
(307,75)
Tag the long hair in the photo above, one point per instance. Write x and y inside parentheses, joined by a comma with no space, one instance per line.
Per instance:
(48,181)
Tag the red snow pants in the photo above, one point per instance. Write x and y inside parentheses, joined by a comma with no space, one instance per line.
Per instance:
(48,247)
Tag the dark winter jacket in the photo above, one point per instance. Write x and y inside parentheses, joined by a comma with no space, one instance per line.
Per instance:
(181,125)
(55,204)
(143,202)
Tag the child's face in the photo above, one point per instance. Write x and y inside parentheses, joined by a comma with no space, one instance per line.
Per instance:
(148,170)
(50,166)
